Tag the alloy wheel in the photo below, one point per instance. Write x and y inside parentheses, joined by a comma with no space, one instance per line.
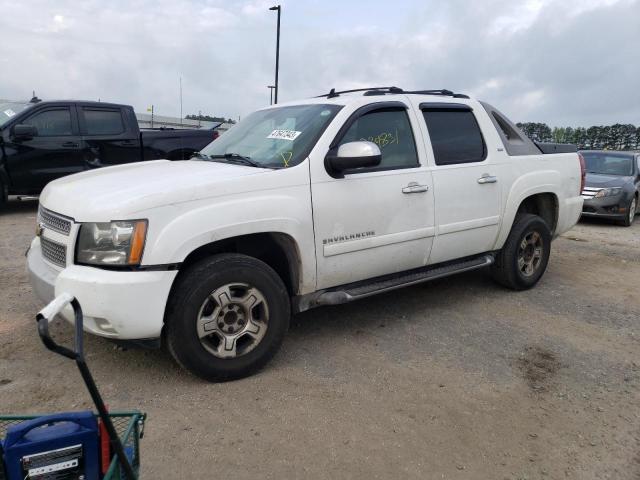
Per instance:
(530,254)
(233,320)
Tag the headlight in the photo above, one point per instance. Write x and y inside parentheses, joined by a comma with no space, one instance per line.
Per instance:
(608,192)
(113,243)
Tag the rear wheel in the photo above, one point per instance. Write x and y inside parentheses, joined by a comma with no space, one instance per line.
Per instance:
(227,317)
(631,213)
(525,255)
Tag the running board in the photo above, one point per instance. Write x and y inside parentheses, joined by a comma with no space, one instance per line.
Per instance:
(356,291)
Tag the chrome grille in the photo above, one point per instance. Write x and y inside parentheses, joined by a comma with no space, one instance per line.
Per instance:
(590,192)
(54,221)
(54,252)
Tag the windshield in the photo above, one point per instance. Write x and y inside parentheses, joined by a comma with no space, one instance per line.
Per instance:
(9,110)
(606,163)
(274,138)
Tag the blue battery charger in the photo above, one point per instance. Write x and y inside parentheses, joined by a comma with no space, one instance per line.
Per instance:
(60,446)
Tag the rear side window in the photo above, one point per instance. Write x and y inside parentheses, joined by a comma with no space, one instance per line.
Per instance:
(103,122)
(390,129)
(52,123)
(455,136)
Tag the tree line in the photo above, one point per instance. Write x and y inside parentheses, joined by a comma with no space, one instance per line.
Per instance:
(608,137)
(208,118)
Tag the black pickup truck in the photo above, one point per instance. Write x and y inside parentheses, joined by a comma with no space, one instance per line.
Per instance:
(41,141)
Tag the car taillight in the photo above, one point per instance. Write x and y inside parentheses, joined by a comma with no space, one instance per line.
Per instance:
(216,134)
(583,172)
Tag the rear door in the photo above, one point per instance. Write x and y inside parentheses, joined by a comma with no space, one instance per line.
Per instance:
(109,135)
(374,221)
(53,153)
(466,179)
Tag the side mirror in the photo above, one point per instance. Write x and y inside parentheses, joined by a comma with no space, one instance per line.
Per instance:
(352,155)
(24,132)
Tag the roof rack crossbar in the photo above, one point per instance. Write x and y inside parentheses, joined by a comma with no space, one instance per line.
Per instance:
(384,90)
(332,93)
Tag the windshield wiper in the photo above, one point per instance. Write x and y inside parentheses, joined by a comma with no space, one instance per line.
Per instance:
(235,158)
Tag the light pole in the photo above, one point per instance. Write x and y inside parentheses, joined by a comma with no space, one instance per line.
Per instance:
(271,88)
(279,9)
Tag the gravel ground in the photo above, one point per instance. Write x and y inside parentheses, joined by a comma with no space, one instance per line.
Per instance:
(456,379)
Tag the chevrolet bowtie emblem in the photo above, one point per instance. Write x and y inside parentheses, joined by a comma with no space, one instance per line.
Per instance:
(39,229)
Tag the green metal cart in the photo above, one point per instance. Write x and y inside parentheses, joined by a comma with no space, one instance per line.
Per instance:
(124,429)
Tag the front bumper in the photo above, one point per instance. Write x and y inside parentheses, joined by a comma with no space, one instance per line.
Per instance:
(123,305)
(605,207)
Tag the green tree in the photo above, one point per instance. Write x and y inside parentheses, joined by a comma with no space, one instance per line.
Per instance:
(594,135)
(611,137)
(569,135)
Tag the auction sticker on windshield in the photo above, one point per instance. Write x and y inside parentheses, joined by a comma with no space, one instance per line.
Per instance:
(9,113)
(284,134)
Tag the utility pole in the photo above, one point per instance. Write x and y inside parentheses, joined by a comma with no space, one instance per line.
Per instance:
(277,8)
(180,101)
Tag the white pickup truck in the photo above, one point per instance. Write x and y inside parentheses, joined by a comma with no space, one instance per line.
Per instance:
(309,203)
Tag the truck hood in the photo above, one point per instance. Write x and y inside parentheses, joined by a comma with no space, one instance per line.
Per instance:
(122,191)
(598,180)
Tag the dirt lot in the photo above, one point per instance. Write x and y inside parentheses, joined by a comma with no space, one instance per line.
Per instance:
(454,379)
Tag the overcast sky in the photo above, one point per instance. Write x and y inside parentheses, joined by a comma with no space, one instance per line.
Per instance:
(563,62)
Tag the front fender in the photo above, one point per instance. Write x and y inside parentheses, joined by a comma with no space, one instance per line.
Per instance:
(286,213)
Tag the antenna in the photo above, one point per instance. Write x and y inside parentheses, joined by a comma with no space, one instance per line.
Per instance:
(180,100)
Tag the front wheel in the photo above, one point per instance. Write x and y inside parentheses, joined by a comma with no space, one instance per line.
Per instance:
(525,255)
(227,317)
(631,213)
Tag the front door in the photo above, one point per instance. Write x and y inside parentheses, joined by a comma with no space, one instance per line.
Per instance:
(53,153)
(466,183)
(379,220)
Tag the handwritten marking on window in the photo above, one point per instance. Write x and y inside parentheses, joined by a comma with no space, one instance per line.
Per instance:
(384,139)
(286,157)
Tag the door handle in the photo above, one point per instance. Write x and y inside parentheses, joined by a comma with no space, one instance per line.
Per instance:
(415,187)
(70,145)
(486,178)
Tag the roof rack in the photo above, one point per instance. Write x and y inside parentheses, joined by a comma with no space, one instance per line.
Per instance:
(393,90)
(332,93)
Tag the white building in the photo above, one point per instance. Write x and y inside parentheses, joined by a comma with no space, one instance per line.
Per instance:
(161,121)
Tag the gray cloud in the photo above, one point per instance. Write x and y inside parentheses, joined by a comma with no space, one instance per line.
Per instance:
(565,62)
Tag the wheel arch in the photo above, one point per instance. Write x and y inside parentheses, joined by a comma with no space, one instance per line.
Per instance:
(278,250)
(542,200)
(180,154)
(545,205)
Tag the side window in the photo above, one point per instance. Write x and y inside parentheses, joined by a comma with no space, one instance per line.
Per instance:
(52,123)
(455,136)
(103,122)
(391,131)
(509,133)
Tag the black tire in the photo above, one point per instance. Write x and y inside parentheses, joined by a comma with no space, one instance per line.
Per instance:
(506,270)
(3,195)
(189,297)
(631,212)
